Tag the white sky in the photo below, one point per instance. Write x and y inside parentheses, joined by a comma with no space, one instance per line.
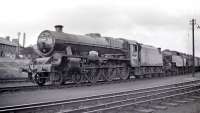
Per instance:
(159,23)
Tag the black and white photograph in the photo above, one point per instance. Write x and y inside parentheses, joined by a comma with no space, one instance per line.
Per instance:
(99,56)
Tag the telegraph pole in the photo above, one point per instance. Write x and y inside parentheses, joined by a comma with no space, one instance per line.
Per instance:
(193,48)
(24,39)
(18,44)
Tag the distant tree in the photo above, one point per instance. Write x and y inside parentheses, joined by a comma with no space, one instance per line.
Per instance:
(29,52)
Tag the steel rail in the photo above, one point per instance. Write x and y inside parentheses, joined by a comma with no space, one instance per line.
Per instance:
(135,104)
(131,100)
(49,86)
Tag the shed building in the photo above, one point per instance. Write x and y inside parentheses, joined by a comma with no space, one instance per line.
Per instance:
(8,48)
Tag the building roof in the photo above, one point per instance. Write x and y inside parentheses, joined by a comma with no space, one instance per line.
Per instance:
(7,42)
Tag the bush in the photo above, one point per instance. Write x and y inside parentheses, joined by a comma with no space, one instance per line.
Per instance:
(9,69)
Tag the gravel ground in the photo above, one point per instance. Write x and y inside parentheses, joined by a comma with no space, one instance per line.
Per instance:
(193,107)
(26,97)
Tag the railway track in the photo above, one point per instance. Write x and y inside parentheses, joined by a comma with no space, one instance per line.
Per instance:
(157,97)
(67,85)
(49,86)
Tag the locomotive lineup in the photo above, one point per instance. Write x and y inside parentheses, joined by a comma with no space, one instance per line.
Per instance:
(92,58)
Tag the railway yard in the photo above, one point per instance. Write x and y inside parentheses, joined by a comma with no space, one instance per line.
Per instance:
(91,73)
(172,94)
(100,56)
(96,74)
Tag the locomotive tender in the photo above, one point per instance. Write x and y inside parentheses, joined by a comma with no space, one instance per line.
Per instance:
(178,63)
(91,58)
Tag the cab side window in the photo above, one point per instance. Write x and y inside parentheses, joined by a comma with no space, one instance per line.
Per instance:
(135,48)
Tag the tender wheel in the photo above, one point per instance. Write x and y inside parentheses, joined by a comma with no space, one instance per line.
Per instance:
(123,73)
(92,75)
(39,79)
(76,77)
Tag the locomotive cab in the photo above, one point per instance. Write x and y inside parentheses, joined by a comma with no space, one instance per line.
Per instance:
(134,55)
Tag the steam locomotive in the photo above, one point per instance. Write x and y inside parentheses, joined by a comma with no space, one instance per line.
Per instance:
(92,58)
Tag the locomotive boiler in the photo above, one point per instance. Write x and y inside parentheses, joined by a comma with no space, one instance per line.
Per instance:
(91,58)
(50,42)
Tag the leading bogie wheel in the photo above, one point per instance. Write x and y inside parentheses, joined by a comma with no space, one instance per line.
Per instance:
(57,78)
(60,80)
(39,79)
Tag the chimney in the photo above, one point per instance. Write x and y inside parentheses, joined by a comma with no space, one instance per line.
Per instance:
(8,38)
(24,39)
(59,28)
(159,49)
